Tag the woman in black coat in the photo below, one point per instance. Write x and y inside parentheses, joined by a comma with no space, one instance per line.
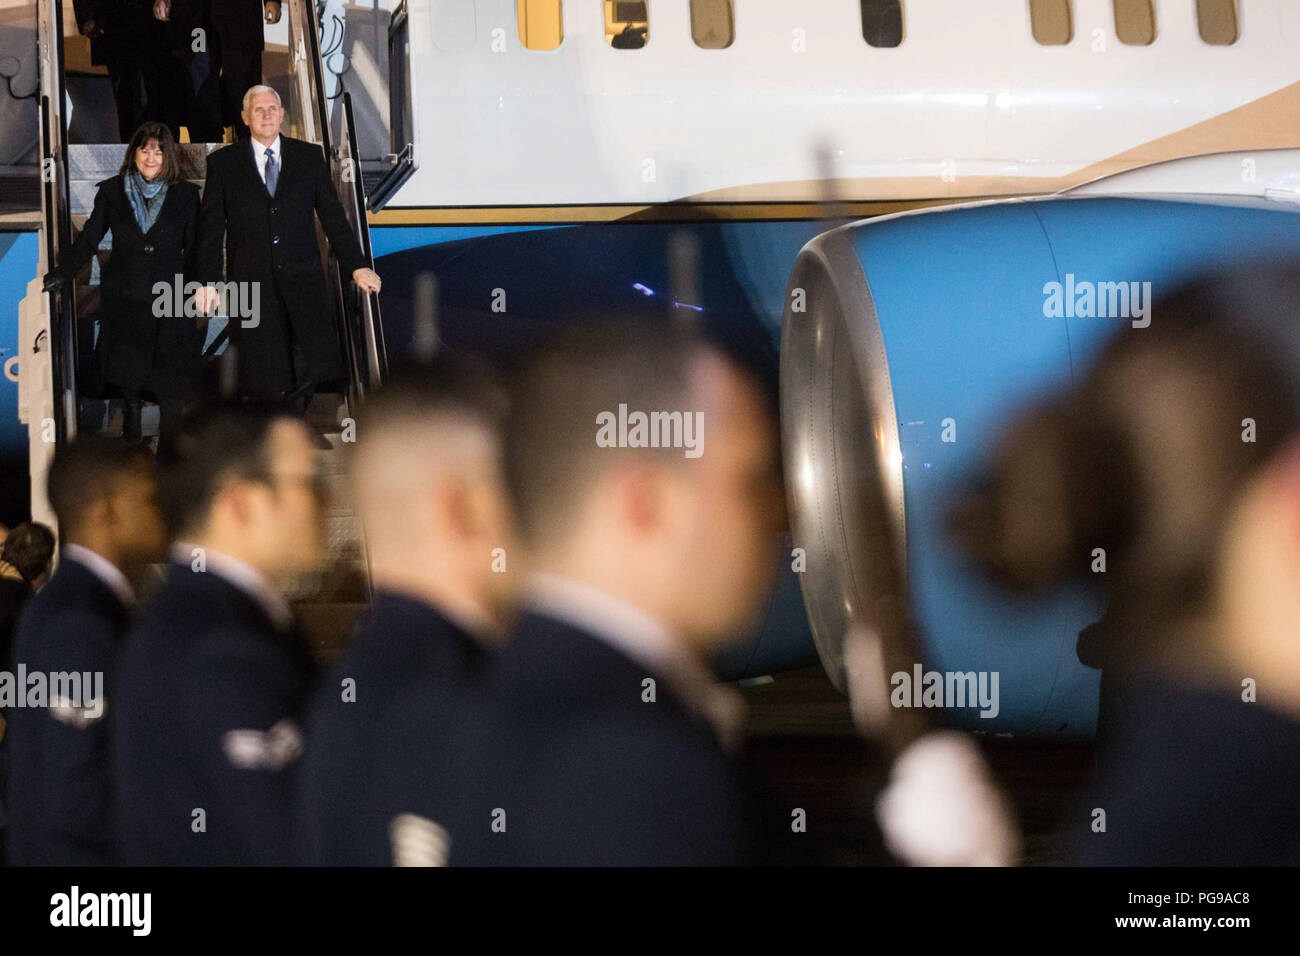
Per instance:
(145,349)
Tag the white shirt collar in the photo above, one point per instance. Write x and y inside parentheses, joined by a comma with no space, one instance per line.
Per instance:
(243,576)
(643,639)
(259,155)
(102,568)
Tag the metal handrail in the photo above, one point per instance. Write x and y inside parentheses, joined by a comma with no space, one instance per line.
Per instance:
(57,219)
(373,327)
(361,327)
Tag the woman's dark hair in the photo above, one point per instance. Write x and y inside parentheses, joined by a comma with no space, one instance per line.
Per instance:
(172,163)
(29,547)
(1144,455)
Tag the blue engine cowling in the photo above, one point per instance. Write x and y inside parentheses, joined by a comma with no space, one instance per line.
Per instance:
(907,344)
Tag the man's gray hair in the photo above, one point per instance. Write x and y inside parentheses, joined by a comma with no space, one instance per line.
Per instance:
(260,88)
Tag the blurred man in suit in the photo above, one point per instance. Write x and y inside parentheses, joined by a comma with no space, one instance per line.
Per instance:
(61,793)
(260,204)
(427,475)
(605,740)
(215,677)
(127,40)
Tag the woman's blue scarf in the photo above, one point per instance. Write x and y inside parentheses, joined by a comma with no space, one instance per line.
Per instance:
(146,198)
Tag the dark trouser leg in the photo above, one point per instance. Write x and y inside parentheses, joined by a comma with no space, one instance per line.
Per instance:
(264,364)
(170,412)
(192,91)
(132,410)
(304,388)
(130,93)
(173,91)
(240,69)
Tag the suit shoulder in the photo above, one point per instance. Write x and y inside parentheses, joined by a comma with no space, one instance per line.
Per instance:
(226,154)
(635,746)
(232,650)
(302,148)
(64,637)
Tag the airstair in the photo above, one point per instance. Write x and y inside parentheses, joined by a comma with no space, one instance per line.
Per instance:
(58,397)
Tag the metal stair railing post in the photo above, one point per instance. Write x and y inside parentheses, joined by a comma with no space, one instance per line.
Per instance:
(57,218)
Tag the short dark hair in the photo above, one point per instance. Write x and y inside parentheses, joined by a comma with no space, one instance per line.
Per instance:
(216,442)
(81,474)
(172,163)
(451,382)
(582,370)
(29,547)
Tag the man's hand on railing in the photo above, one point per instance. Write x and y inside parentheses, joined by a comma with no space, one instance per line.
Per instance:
(207,299)
(271,9)
(53,282)
(367,279)
(162,10)
(91,29)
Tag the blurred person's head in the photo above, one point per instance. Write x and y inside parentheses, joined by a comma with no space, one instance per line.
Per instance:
(29,547)
(426,470)
(244,482)
(684,532)
(262,113)
(153,153)
(104,493)
(1176,454)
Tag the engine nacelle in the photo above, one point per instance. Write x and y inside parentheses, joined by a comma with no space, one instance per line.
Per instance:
(907,344)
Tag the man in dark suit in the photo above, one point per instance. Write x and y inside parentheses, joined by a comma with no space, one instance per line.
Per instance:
(240,32)
(437,535)
(605,740)
(61,794)
(126,39)
(208,79)
(262,197)
(215,677)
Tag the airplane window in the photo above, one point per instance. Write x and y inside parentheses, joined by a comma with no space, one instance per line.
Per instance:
(1051,21)
(1135,22)
(1217,20)
(713,24)
(627,24)
(541,23)
(882,22)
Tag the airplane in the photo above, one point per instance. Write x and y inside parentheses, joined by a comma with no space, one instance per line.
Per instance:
(921,170)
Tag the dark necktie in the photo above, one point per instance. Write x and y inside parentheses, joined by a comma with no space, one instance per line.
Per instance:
(272,172)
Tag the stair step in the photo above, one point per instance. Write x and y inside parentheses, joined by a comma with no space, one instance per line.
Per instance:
(326,413)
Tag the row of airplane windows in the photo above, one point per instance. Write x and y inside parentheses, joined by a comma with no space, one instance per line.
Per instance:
(713,22)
